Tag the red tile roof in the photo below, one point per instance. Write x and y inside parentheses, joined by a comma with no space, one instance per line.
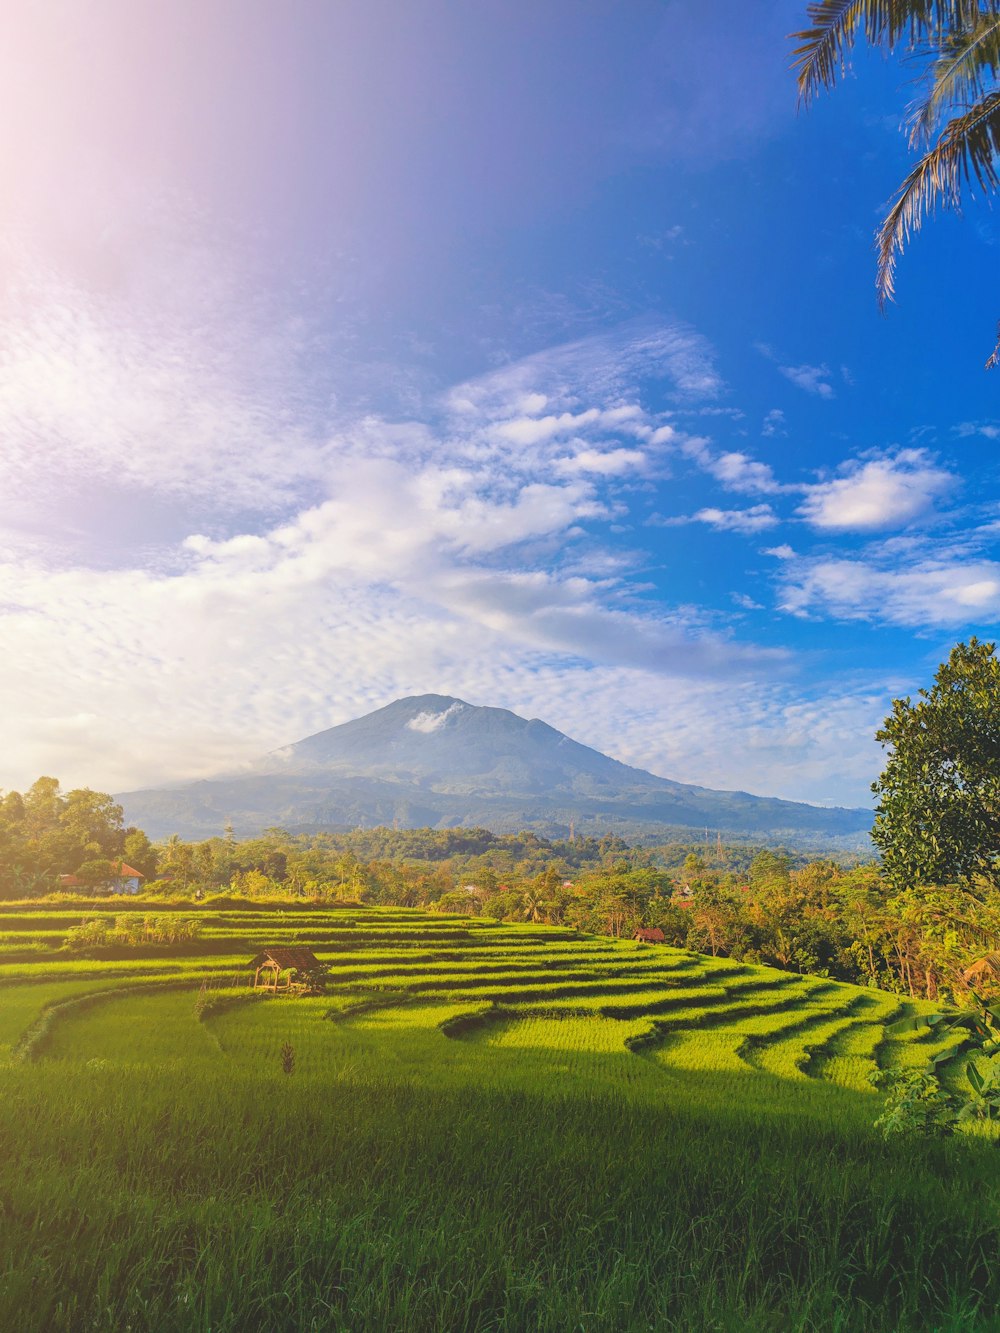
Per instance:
(126,872)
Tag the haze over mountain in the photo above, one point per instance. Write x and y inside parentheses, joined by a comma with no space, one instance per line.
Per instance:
(435,760)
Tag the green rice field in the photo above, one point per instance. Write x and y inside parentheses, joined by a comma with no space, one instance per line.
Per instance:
(476,1127)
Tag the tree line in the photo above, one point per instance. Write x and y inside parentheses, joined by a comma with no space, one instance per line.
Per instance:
(913,922)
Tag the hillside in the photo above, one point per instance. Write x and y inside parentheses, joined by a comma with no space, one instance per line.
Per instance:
(476,1126)
(435,761)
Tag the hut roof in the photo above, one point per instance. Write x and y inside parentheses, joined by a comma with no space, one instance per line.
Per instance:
(654,936)
(304,960)
(987,966)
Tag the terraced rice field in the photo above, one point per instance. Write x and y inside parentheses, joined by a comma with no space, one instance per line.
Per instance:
(485,1126)
(530,988)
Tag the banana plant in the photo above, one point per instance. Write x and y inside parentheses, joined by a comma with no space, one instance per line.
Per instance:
(985,1081)
(982,1024)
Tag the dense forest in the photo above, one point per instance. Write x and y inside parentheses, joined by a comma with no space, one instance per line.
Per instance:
(819,916)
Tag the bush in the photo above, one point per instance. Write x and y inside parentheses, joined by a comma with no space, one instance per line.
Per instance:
(132,931)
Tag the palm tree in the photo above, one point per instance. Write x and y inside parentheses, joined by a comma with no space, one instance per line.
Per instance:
(955,122)
(531,898)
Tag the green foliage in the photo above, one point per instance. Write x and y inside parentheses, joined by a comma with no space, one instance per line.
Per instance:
(132,931)
(938,816)
(984,1080)
(753,904)
(44,833)
(916,1104)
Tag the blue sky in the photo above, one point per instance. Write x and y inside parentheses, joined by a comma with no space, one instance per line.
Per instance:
(525,353)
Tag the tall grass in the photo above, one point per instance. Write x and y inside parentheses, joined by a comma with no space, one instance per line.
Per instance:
(247,1200)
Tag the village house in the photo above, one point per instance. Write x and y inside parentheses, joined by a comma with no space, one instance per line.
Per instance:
(122,879)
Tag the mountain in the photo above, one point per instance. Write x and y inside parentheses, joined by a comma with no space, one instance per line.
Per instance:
(433,760)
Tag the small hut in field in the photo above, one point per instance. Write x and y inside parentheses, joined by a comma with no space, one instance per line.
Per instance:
(291,970)
(985,970)
(654,936)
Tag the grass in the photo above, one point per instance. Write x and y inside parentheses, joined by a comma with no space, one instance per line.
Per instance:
(487,1128)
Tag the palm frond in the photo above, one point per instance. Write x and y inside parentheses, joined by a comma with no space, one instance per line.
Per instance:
(965,70)
(967,152)
(838,24)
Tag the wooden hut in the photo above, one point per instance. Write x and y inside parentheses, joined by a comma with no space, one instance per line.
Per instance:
(287,969)
(985,969)
(654,936)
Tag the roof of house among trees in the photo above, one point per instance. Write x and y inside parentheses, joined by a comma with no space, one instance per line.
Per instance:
(304,960)
(654,936)
(117,870)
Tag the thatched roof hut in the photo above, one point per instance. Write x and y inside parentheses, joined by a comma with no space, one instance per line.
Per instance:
(653,936)
(284,967)
(983,969)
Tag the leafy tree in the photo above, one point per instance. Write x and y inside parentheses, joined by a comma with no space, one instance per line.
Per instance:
(768,873)
(938,816)
(94,820)
(96,873)
(140,853)
(954,124)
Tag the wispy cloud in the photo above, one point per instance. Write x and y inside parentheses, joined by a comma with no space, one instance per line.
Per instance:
(919,593)
(153,391)
(754,519)
(989,430)
(605,369)
(773,423)
(811,379)
(417,557)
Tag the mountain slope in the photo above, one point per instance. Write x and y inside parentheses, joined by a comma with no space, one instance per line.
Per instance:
(434,760)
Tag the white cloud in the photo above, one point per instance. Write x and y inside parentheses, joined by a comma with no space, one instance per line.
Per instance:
(412,569)
(430,722)
(740,472)
(766,738)
(755,519)
(988,430)
(773,423)
(812,379)
(602,370)
(533,430)
(176,677)
(883,493)
(257,641)
(613,463)
(165,392)
(926,592)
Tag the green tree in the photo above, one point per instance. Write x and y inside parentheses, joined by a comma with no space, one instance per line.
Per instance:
(954,123)
(139,852)
(95,822)
(938,816)
(769,873)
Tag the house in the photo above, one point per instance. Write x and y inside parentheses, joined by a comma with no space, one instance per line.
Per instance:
(125,879)
(654,936)
(122,879)
(292,969)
